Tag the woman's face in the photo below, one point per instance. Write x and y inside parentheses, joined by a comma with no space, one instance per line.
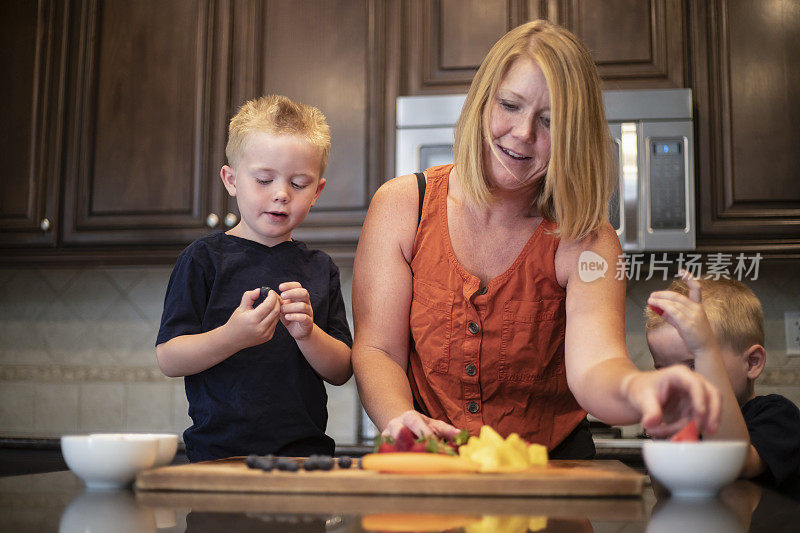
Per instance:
(517,150)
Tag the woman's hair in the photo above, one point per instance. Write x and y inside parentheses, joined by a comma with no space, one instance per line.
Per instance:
(278,115)
(576,189)
(733,311)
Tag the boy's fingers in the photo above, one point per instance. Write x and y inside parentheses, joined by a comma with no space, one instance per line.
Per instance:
(269,304)
(297,294)
(249,298)
(695,293)
(288,285)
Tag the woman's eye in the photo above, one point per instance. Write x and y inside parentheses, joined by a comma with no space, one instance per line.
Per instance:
(545,122)
(510,106)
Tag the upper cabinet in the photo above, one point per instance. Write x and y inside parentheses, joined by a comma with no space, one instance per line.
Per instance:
(31,122)
(118,121)
(145,126)
(635,43)
(747,92)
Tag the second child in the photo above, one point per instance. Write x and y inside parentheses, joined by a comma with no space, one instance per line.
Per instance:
(716,327)
(253,363)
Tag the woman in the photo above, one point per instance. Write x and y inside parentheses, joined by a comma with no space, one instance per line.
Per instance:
(474,312)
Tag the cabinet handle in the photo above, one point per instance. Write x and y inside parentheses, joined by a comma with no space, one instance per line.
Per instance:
(45,224)
(212,220)
(231,220)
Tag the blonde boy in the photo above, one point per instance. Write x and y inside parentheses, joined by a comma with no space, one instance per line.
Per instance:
(254,360)
(716,327)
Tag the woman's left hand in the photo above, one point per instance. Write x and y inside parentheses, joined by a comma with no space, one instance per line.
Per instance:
(668,398)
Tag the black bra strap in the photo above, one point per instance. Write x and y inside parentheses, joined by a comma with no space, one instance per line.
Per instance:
(421,183)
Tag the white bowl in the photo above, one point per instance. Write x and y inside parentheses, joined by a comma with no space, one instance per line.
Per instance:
(111,461)
(694,469)
(167,444)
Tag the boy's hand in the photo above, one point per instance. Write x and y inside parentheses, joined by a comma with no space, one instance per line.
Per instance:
(686,315)
(296,312)
(248,325)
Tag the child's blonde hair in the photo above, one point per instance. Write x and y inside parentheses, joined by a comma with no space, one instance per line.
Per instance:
(579,181)
(278,115)
(733,310)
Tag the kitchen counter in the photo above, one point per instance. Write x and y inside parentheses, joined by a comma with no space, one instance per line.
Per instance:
(58,501)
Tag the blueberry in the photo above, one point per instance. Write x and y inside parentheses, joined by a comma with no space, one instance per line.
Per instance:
(311,463)
(266,463)
(264,291)
(325,462)
(251,460)
(345,462)
(287,463)
(292,466)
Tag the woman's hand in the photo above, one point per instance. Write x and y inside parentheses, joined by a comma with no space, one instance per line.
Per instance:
(668,398)
(420,425)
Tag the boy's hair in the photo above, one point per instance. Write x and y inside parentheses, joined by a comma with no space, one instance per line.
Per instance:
(579,181)
(278,115)
(733,310)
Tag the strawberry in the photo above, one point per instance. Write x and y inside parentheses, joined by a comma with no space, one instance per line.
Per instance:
(418,447)
(689,433)
(405,439)
(387,447)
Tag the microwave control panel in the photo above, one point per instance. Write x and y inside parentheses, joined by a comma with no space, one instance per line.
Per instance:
(667,184)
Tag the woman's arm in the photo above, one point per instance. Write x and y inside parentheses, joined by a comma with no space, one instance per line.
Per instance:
(600,374)
(381,306)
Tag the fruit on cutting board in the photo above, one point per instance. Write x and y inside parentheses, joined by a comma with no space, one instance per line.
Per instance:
(689,433)
(417,463)
(406,441)
(495,454)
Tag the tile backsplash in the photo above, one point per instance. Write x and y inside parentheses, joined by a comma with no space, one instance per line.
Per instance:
(77,350)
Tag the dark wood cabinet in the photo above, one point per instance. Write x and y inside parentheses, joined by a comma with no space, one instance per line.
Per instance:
(635,43)
(124,109)
(747,92)
(146,124)
(31,123)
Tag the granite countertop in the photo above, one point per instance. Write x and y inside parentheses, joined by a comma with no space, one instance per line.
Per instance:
(58,501)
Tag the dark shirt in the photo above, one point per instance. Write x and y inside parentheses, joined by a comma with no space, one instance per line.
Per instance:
(774,426)
(266,398)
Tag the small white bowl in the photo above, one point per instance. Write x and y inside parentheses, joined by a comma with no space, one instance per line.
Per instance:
(167,444)
(110,461)
(102,511)
(694,469)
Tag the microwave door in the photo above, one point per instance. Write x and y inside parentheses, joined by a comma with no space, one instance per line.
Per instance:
(421,148)
(623,207)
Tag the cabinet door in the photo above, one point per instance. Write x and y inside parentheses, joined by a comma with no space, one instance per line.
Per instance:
(146,130)
(635,43)
(747,92)
(30,125)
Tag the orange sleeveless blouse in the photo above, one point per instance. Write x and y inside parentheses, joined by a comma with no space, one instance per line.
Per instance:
(493,357)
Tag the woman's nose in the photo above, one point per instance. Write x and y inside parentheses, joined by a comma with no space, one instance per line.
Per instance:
(524,130)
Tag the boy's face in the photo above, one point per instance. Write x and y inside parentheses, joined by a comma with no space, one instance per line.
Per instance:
(668,348)
(275,182)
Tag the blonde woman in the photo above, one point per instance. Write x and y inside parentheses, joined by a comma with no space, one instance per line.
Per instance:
(472,311)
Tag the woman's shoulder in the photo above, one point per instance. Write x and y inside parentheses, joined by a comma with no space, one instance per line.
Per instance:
(600,246)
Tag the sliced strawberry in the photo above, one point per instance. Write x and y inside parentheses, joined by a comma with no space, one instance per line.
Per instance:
(405,439)
(689,433)
(657,310)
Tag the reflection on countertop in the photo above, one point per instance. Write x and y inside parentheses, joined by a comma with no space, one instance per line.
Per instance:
(58,501)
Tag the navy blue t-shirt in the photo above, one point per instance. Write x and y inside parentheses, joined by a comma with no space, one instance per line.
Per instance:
(266,398)
(774,426)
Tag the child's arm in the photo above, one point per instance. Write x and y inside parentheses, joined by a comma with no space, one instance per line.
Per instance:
(329,357)
(688,317)
(248,326)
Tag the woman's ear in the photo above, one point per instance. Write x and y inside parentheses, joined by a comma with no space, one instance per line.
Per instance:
(228,177)
(756,357)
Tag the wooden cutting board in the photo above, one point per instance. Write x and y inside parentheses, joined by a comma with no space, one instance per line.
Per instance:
(560,478)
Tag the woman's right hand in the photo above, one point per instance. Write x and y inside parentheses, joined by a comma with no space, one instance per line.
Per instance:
(420,425)
(668,398)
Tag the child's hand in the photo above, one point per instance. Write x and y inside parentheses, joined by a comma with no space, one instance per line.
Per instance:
(296,312)
(686,315)
(248,325)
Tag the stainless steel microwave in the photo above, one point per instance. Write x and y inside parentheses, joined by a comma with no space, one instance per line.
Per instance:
(652,207)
